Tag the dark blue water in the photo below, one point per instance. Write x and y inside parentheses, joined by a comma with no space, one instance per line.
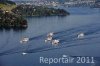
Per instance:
(66,28)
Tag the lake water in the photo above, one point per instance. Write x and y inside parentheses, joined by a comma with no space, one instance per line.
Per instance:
(65,28)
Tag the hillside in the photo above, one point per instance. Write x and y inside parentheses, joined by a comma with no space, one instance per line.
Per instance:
(7,5)
(28,10)
(8,19)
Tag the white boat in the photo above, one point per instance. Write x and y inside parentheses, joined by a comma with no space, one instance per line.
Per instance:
(23,40)
(81,35)
(24,53)
(50,34)
(48,39)
(55,42)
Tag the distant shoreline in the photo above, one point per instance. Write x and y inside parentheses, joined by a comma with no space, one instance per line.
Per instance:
(31,10)
(12,15)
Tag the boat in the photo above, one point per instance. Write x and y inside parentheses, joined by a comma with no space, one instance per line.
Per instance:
(24,53)
(81,35)
(55,42)
(50,34)
(48,39)
(24,40)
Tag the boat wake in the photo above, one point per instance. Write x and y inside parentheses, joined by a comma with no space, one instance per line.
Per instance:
(68,38)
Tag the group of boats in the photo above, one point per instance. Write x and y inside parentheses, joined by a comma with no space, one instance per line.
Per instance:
(56,41)
(49,38)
